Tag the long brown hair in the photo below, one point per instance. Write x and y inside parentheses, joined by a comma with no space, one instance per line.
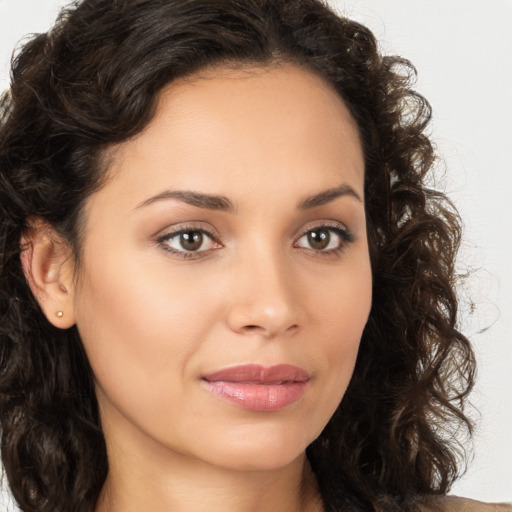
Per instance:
(92,82)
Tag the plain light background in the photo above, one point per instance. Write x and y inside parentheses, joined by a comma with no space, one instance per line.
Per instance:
(463,52)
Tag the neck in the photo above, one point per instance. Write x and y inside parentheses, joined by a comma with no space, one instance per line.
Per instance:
(203,489)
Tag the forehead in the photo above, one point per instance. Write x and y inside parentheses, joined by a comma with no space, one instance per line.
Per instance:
(226,128)
(278,104)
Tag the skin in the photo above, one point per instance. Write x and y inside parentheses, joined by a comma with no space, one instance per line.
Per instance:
(154,322)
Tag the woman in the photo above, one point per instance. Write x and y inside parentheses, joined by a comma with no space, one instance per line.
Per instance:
(224,285)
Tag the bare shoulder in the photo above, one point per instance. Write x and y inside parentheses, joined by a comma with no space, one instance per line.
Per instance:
(457,504)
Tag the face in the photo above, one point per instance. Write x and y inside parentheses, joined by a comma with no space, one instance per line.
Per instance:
(226,280)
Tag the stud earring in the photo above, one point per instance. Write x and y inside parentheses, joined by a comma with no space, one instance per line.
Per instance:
(59,314)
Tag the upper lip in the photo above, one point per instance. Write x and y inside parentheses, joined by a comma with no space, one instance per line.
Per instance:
(258,374)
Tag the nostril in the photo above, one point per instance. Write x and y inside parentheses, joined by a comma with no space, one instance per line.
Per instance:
(258,328)
(293,328)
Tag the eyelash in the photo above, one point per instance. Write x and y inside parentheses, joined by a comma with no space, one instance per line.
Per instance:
(162,240)
(346,237)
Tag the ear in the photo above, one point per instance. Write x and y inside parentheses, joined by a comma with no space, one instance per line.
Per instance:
(48,266)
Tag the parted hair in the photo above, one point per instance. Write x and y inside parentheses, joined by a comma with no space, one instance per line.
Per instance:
(92,82)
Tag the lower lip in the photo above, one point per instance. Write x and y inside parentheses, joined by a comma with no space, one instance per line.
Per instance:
(258,397)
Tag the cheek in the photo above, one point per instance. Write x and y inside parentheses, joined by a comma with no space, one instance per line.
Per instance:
(139,327)
(341,315)
(343,304)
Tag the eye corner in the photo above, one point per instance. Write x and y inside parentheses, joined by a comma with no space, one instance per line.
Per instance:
(343,235)
(169,237)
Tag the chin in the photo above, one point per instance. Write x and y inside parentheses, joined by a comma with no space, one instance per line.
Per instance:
(257,452)
(260,460)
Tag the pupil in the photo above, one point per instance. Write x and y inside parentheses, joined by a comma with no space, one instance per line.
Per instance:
(319,239)
(191,241)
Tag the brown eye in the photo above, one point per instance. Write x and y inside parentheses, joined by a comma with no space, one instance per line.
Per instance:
(319,239)
(325,239)
(188,241)
(191,240)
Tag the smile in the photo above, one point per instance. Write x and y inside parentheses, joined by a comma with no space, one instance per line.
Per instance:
(258,388)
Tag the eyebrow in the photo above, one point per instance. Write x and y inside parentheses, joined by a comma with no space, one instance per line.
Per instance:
(327,196)
(221,203)
(200,200)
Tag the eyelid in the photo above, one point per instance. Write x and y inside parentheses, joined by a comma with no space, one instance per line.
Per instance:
(185,226)
(171,232)
(339,228)
(177,230)
(329,224)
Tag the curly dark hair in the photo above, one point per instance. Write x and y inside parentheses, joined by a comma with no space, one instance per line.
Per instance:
(92,82)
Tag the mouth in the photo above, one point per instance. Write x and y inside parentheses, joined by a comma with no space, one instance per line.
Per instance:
(258,388)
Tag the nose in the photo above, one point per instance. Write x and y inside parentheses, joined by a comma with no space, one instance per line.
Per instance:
(264,299)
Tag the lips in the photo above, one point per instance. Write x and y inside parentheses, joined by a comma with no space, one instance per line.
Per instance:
(258,388)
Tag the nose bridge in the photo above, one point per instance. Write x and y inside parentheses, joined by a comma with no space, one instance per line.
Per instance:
(264,298)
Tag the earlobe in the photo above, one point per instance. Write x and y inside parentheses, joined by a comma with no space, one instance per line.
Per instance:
(48,268)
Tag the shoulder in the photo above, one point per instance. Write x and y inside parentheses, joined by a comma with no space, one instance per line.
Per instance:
(456,504)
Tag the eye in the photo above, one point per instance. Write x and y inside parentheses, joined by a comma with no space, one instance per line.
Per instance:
(188,241)
(325,238)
